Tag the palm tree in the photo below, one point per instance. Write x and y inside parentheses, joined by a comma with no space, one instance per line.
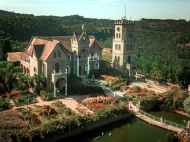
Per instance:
(40,82)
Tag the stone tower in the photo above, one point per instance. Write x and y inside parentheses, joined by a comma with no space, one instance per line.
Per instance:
(123,52)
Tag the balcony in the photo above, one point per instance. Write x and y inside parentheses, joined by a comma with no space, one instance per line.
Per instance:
(57,75)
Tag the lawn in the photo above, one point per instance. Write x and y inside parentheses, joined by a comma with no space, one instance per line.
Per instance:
(107,57)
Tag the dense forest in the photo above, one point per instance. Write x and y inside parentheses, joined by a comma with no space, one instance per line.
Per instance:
(161,51)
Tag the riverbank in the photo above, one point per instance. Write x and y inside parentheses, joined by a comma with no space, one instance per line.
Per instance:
(89,126)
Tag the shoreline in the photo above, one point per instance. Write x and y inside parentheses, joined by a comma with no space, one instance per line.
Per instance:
(89,126)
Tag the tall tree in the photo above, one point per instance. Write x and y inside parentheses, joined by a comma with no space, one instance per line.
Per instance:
(5,47)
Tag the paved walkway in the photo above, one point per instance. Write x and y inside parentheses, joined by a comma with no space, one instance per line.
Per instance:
(69,101)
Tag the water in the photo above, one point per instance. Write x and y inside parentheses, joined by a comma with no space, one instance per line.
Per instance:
(131,129)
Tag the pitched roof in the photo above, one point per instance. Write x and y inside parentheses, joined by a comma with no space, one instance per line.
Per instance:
(13,56)
(47,44)
(24,55)
(48,47)
(65,40)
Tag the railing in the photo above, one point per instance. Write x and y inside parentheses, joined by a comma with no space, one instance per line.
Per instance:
(166,122)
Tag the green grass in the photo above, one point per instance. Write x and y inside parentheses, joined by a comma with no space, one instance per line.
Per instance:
(107,57)
(24,101)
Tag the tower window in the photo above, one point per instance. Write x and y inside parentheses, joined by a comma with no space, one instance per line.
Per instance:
(117,35)
(119,47)
(116,46)
(131,46)
(115,58)
(118,58)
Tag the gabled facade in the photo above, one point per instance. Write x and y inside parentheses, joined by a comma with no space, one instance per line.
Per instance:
(58,56)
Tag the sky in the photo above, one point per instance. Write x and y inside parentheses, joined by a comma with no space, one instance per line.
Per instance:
(106,9)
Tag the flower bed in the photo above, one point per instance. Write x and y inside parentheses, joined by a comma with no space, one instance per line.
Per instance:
(138,91)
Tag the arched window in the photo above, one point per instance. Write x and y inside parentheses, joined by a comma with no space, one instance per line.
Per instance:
(68,57)
(86,55)
(91,56)
(115,58)
(116,46)
(96,65)
(131,46)
(119,47)
(127,46)
(68,69)
(117,35)
(129,59)
(59,54)
(57,67)
(54,54)
(118,58)
(96,57)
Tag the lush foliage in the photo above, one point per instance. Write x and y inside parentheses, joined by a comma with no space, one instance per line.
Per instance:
(46,96)
(23,100)
(169,137)
(38,82)
(186,104)
(174,99)
(4,103)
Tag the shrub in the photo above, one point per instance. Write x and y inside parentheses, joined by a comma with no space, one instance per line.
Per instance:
(18,69)
(138,88)
(4,103)
(47,110)
(169,137)
(33,119)
(18,98)
(58,104)
(46,96)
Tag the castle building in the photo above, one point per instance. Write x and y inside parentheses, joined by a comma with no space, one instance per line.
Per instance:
(123,52)
(58,56)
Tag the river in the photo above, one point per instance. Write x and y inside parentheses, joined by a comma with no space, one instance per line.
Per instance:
(131,129)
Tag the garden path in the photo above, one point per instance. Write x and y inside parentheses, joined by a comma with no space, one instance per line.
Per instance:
(69,101)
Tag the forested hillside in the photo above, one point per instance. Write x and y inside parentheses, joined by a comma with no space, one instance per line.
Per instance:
(160,44)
